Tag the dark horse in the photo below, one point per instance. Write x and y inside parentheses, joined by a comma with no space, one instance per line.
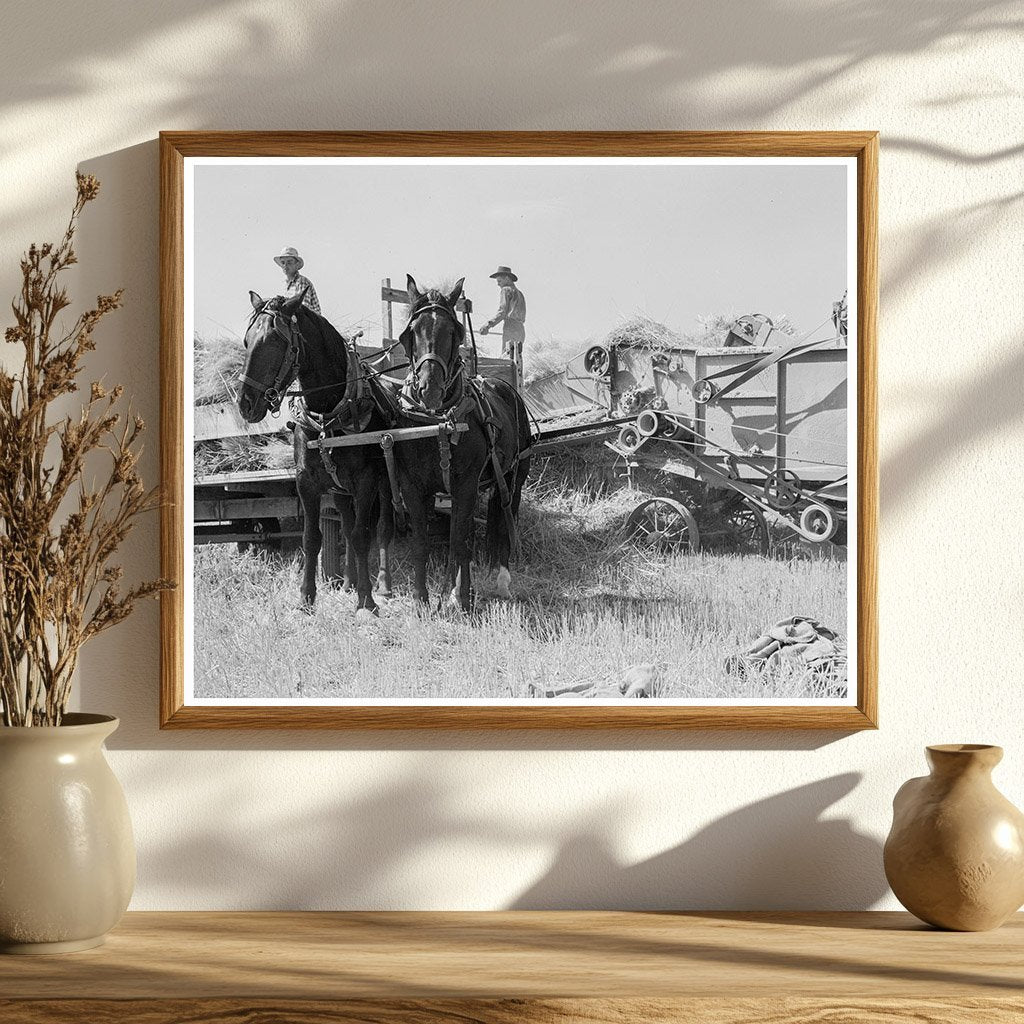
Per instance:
(493,453)
(285,340)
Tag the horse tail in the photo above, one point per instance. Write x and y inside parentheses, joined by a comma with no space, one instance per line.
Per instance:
(498,544)
(502,526)
(501,522)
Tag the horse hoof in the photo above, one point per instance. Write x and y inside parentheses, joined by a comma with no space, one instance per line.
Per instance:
(387,593)
(367,614)
(307,607)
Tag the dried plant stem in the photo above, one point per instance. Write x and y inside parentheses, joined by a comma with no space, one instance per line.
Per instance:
(58,587)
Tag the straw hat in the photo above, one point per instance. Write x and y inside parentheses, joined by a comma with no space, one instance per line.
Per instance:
(289,250)
(507,271)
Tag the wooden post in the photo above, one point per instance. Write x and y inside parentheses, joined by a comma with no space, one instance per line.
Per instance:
(385,319)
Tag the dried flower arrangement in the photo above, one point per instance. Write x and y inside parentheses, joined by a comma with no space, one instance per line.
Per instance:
(58,587)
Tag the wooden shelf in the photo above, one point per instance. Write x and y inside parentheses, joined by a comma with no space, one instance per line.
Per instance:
(546,967)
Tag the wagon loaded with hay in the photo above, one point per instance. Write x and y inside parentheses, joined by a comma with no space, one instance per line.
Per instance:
(244,474)
(739,436)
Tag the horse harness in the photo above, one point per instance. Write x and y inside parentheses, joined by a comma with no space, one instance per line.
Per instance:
(351,415)
(364,394)
(274,393)
(462,395)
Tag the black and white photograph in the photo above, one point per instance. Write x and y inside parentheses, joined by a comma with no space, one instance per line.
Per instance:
(520,431)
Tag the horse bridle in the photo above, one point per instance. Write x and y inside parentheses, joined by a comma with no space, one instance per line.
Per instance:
(275,393)
(452,371)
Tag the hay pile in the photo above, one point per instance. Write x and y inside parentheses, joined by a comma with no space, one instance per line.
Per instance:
(243,454)
(712,330)
(217,362)
(544,356)
(642,330)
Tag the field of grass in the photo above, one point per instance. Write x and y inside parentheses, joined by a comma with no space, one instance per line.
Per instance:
(587,607)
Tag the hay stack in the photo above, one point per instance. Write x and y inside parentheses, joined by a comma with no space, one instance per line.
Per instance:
(242,454)
(216,366)
(217,362)
(643,331)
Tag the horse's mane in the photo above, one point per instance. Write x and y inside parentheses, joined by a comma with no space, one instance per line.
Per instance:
(320,321)
(276,302)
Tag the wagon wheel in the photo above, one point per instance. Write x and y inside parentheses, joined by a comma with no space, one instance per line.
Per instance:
(748,529)
(261,529)
(782,489)
(664,525)
(597,361)
(290,546)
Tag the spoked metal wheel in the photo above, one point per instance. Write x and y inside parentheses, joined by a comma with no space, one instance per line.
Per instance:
(663,525)
(747,530)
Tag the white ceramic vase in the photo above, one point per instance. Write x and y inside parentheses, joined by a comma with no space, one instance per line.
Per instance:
(67,854)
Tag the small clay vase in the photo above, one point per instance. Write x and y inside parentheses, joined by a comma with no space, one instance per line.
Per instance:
(955,854)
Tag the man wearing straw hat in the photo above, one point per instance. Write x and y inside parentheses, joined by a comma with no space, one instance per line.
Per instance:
(512,317)
(291,263)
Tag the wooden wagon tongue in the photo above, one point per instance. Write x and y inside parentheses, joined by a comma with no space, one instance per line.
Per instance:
(397,434)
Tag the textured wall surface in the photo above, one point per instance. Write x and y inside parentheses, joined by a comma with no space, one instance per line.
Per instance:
(338,820)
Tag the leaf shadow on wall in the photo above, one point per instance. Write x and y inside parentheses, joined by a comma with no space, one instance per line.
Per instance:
(777,853)
(988,405)
(346,51)
(204,63)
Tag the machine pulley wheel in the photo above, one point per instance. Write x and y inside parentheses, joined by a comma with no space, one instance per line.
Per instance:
(597,361)
(703,391)
(818,523)
(630,438)
(663,524)
(782,489)
(648,423)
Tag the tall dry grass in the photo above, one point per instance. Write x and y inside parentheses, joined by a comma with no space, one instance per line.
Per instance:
(587,607)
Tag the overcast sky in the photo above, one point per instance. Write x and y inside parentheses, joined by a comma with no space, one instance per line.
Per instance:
(591,243)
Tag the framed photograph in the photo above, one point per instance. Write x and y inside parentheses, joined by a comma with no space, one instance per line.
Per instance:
(519,430)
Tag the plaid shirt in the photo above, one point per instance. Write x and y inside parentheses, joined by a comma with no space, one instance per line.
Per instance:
(295,286)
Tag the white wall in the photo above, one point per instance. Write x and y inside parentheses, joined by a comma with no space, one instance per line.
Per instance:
(337,820)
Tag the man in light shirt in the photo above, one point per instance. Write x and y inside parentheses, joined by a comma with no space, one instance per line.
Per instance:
(512,317)
(291,263)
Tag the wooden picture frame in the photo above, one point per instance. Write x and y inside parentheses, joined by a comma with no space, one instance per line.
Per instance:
(177,147)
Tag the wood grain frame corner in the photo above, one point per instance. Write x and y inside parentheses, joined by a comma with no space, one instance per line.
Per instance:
(176,146)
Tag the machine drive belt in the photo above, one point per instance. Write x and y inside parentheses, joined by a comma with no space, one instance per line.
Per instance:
(747,371)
